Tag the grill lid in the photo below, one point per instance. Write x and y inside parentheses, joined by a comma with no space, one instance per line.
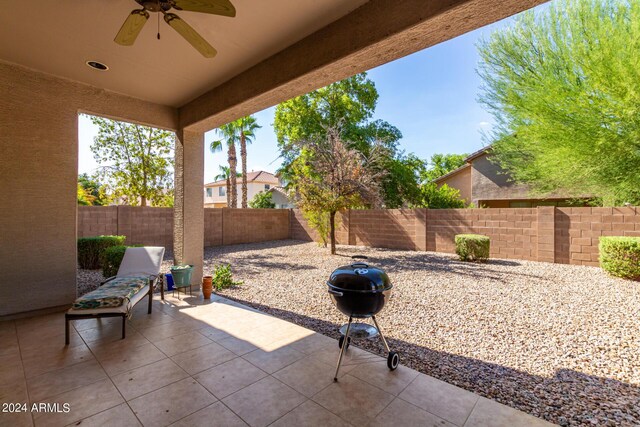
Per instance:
(359,276)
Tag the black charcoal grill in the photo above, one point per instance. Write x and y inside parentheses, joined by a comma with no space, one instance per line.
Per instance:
(360,291)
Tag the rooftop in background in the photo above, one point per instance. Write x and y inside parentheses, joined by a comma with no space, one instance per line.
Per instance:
(257,176)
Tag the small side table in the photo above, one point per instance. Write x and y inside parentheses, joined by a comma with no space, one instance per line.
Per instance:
(183,289)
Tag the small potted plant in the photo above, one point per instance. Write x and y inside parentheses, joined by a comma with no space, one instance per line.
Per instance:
(181,275)
(223,278)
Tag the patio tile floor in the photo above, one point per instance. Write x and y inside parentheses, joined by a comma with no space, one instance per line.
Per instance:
(218,363)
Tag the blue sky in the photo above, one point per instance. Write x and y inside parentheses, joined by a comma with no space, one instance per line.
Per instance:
(431,96)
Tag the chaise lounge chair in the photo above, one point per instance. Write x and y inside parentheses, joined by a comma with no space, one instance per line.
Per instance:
(137,277)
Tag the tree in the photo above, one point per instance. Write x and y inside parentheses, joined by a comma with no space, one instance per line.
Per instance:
(139,161)
(349,105)
(262,200)
(443,197)
(230,138)
(246,126)
(94,192)
(330,176)
(563,88)
(442,164)
(225,174)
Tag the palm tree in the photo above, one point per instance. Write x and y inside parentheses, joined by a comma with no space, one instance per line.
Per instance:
(247,127)
(230,136)
(225,174)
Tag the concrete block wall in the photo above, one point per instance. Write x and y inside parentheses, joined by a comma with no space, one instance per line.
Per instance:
(254,225)
(385,228)
(577,231)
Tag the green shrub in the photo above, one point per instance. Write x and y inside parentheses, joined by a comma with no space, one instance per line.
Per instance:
(620,256)
(472,247)
(111,259)
(223,278)
(90,249)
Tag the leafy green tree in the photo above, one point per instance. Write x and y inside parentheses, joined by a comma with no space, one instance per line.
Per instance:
(241,132)
(330,176)
(348,105)
(138,161)
(562,85)
(443,197)
(84,199)
(440,165)
(262,200)
(225,174)
(94,191)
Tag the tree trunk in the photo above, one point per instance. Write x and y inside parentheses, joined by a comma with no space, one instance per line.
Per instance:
(143,201)
(243,157)
(332,233)
(233,172)
(228,192)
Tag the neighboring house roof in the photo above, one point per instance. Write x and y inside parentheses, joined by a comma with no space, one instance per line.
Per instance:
(280,190)
(470,158)
(257,176)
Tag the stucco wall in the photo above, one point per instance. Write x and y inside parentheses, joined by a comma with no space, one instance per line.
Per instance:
(38,175)
(490,183)
(460,181)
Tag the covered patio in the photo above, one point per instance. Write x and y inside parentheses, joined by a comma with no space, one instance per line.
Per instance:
(219,363)
(272,371)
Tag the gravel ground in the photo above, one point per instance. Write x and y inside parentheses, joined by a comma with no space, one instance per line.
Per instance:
(559,342)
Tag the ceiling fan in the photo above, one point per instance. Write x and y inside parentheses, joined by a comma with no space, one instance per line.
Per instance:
(138,17)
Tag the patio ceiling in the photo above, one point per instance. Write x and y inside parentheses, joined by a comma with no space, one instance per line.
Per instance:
(58,37)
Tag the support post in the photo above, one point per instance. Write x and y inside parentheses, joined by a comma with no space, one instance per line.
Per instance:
(188,210)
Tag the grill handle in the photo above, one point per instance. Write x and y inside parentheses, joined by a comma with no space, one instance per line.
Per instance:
(336,293)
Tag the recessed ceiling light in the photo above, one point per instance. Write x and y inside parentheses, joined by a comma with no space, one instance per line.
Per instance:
(97,65)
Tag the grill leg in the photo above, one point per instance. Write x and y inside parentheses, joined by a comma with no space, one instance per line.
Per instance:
(344,345)
(384,341)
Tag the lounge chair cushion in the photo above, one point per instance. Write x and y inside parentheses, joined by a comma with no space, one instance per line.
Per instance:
(114,293)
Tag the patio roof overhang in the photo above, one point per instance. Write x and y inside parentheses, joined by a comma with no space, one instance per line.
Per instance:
(270,52)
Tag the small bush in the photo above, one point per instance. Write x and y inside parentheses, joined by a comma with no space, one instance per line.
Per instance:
(472,247)
(223,278)
(90,249)
(620,256)
(111,259)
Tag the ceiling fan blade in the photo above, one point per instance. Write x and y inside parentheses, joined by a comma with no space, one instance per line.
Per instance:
(216,7)
(190,35)
(131,27)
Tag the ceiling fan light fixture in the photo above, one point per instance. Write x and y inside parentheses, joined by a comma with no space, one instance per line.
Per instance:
(97,65)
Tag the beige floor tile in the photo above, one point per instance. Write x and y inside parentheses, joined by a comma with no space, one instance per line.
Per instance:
(229,377)
(353,357)
(9,346)
(131,358)
(379,375)
(11,368)
(401,413)
(203,358)
(105,350)
(84,324)
(46,361)
(145,379)
(353,400)
(83,402)
(181,343)
(488,413)
(216,415)
(105,333)
(312,343)
(166,330)
(272,361)
(171,403)
(43,325)
(156,318)
(213,333)
(307,376)
(16,419)
(263,402)
(36,344)
(440,398)
(62,380)
(310,414)
(237,345)
(14,391)
(120,416)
